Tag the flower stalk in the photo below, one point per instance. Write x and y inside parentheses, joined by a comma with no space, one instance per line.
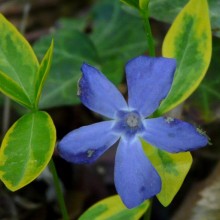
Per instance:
(150,41)
(58,191)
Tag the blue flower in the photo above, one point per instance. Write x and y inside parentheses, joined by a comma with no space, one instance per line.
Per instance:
(149,81)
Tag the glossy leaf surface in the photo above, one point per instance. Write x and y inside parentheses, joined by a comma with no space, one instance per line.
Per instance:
(166,10)
(108,46)
(132,3)
(205,102)
(18,62)
(112,208)
(43,72)
(189,41)
(26,149)
(71,49)
(13,90)
(172,169)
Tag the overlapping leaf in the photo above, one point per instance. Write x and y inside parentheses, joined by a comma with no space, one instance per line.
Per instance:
(137,4)
(112,208)
(166,10)
(115,39)
(71,49)
(42,73)
(108,46)
(206,99)
(12,89)
(189,41)
(18,65)
(132,3)
(26,149)
(172,169)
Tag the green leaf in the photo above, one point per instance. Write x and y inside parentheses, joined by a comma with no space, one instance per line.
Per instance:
(112,208)
(166,10)
(189,41)
(72,48)
(78,24)
(143,4)
(13,90)
(17,60)
(126,37)
(172,169)
(26,149)
(205,102)
(43,72)
(109,46)
(132,3)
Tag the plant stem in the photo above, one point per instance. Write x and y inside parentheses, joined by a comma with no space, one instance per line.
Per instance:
(150,40)
(51,165)
(147,215)
(58,190)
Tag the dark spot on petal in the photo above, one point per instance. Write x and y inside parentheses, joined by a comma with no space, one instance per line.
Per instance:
(171,135)
(142,189)
(179,129)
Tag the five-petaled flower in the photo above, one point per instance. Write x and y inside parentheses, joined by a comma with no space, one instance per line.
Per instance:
(149,81)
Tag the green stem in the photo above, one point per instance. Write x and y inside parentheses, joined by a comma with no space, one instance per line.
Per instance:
(147,215)
(58,191)
(150,39)
(51,165)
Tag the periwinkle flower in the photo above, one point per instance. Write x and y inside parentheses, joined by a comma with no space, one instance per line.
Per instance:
(149,81)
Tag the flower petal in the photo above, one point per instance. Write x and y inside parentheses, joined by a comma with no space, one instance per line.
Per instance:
(86,144)
(98,93)
(173,135)
(135,178)
(149,81)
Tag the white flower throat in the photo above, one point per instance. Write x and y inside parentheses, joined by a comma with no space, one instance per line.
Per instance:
(133,120)
(128,123)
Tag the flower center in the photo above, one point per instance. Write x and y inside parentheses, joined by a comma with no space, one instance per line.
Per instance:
(133,120)
(128,123)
